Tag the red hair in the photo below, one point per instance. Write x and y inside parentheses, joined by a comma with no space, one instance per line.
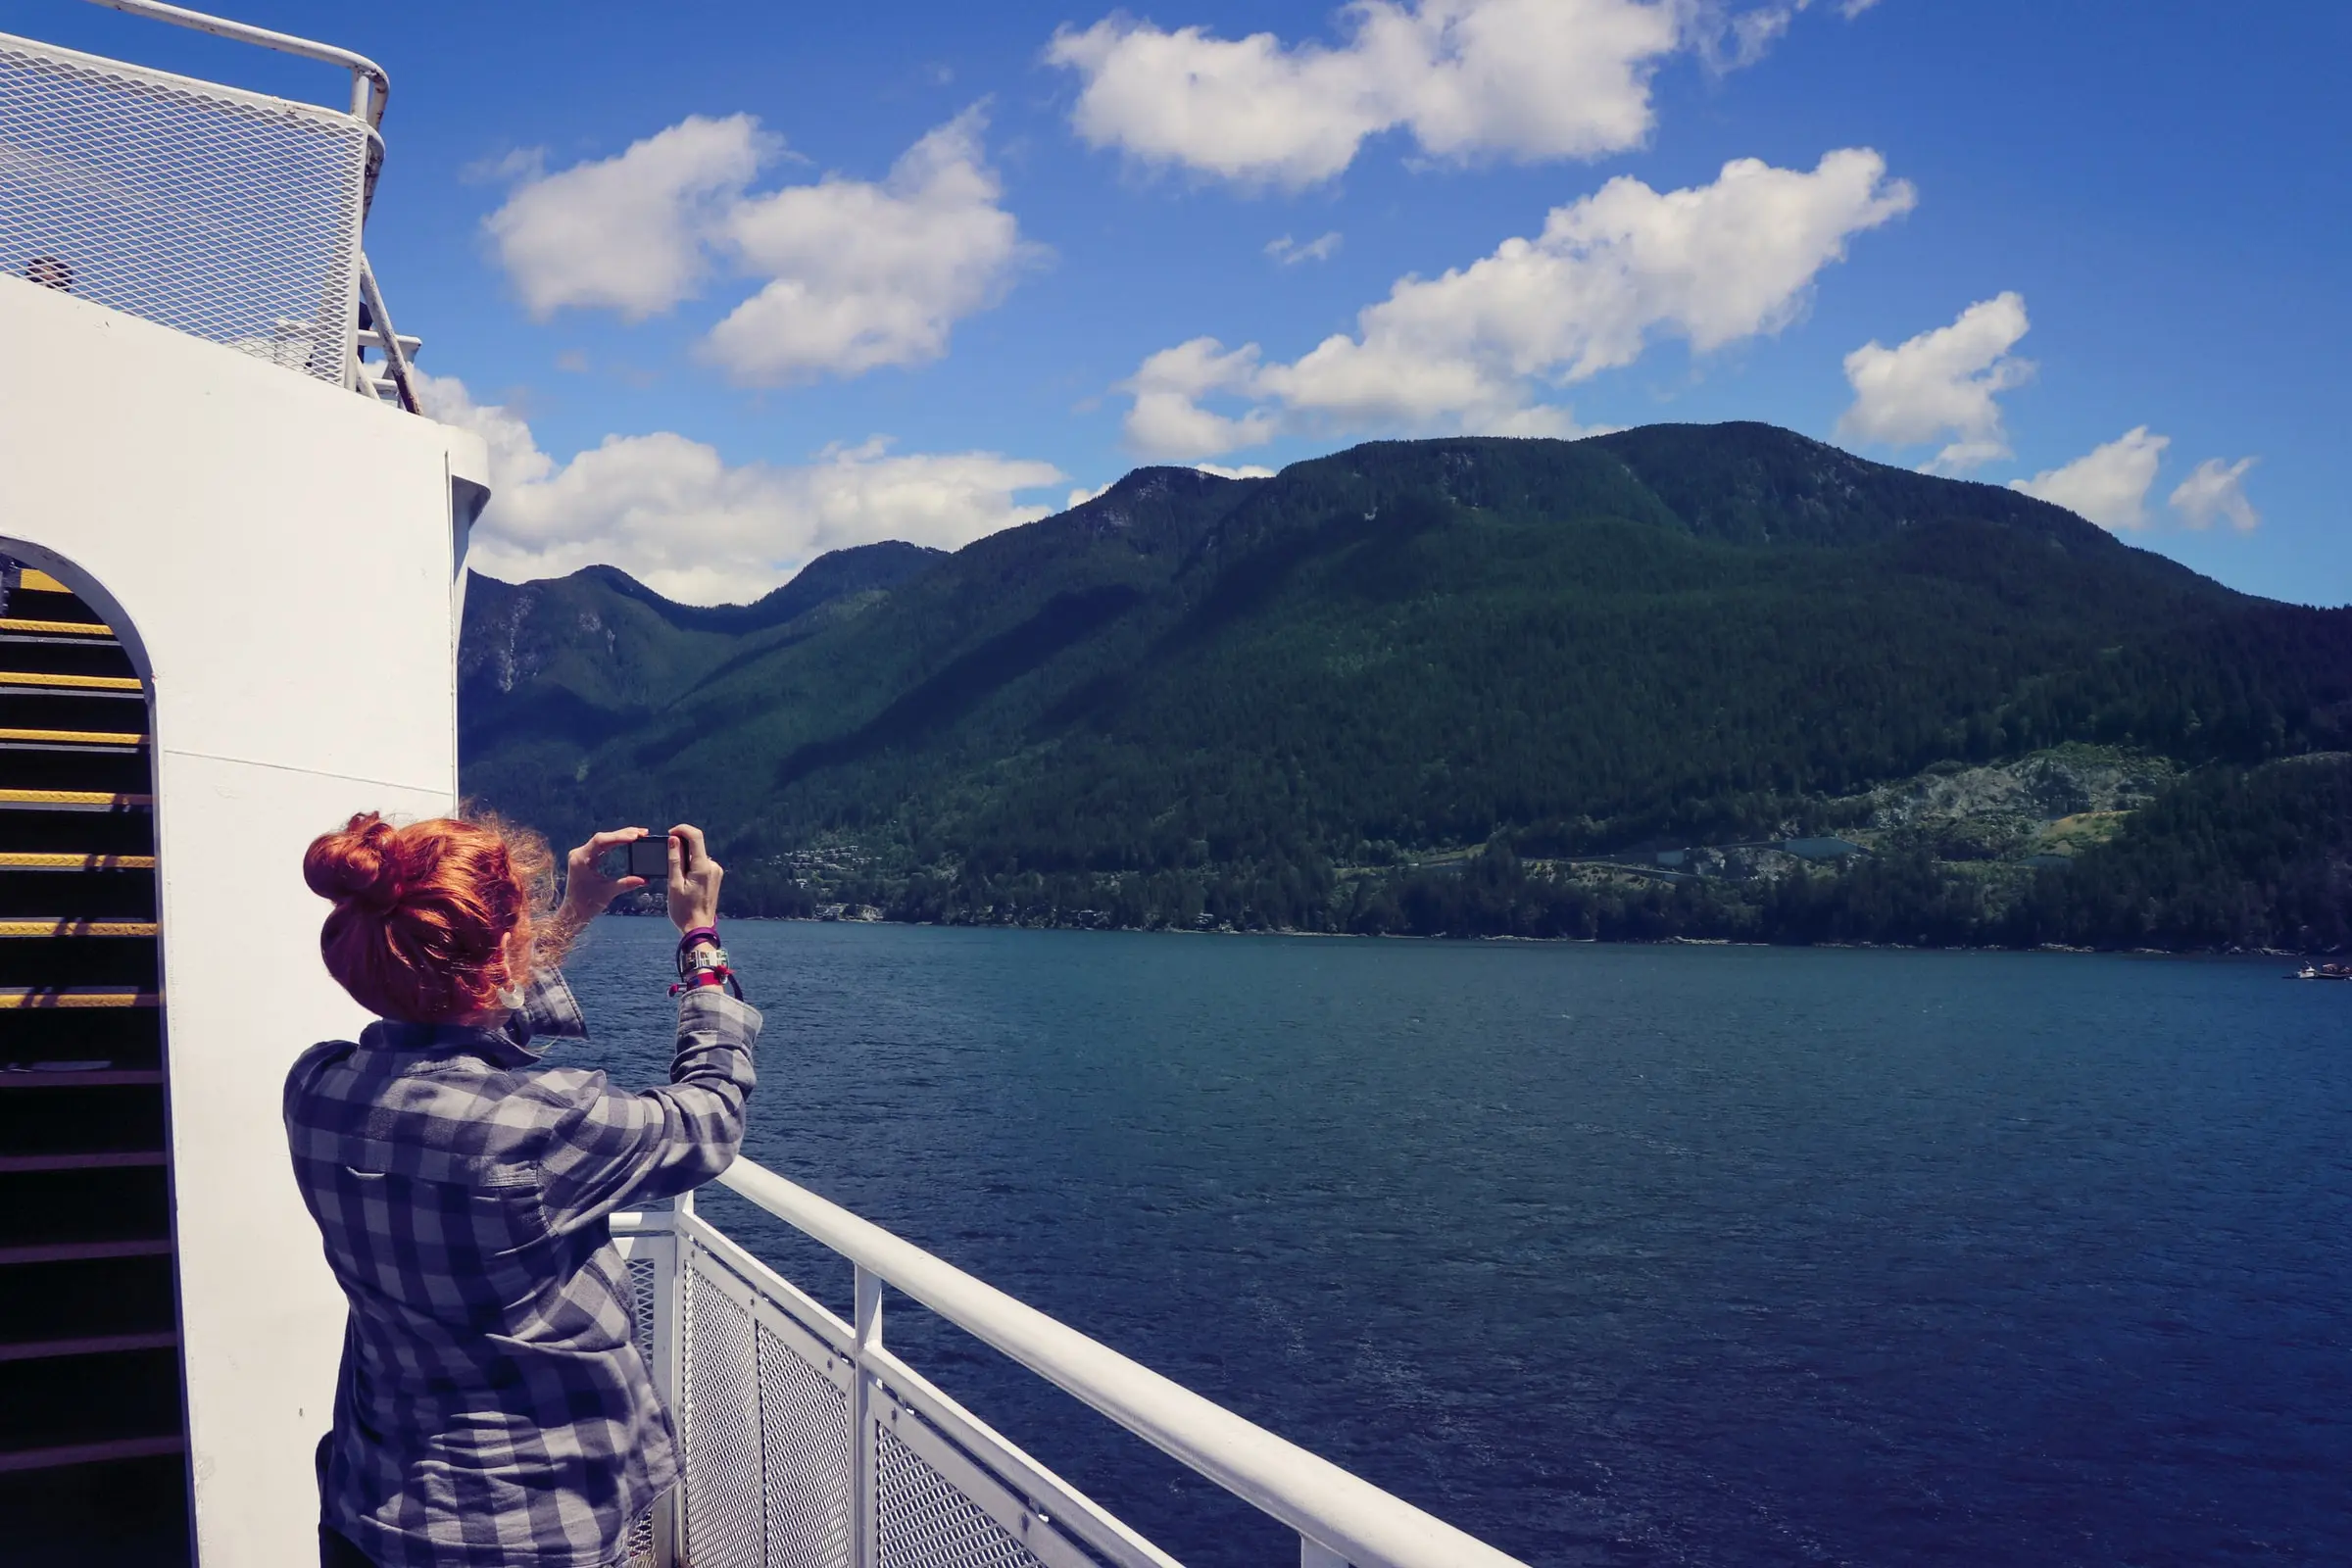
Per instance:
(423,913)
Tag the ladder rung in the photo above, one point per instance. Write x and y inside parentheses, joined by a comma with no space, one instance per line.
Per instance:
(76,928)
(75,737)
(96,1344)
(85,1252)
(37,1076)
(75,800)
(47,860)
(113,1159)
(28,997)
(91,1453)
(79,683)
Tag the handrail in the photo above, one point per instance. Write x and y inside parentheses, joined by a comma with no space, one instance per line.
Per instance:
(1349,1516)
(371,87)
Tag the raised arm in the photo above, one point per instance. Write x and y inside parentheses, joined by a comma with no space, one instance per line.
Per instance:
(609,1149)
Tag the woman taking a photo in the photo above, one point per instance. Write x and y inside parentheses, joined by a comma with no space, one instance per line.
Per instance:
(493,1410)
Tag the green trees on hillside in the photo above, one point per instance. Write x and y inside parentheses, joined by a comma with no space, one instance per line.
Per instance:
(1197,701)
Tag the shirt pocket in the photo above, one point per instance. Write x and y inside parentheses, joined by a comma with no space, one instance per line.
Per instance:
(506,1206)
(460,1238)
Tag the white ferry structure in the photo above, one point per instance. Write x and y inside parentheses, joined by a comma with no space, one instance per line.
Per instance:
(234,564)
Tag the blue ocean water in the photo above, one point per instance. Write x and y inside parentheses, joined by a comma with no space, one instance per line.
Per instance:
(1608,1255)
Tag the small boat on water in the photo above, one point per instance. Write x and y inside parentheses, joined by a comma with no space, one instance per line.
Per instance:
(2322,971)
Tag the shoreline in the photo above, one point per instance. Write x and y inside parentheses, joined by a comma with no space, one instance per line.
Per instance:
(1531,941)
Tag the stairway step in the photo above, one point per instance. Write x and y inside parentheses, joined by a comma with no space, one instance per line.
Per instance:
(76,835)
(52,604)
(119,1159)
(66,655)
(77,1123)
(42,1075)
(73,801)
(88,1299)
(83,1251)
(45,996)
(113,738)
(131,1396)
(94,1345)
(68,927)
(50,861)
(17,625)
(76,962)
(82,1039)
(44,680)
(80,1453)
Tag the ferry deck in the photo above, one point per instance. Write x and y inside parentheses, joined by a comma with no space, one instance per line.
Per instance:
(208,432)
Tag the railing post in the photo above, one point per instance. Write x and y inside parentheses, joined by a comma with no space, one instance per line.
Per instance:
(866,1425)
(671,1524)
(1312,1554)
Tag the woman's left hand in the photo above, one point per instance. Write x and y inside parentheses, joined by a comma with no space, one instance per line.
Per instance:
(587,891)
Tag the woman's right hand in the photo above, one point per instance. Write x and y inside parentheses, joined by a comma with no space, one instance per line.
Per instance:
(693,879)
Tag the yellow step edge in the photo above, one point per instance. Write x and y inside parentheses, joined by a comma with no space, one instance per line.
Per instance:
(76,928)
(77,737)
(79,683)
(22,998)
(32,580)
(42,861)
(53,628)
(73,798)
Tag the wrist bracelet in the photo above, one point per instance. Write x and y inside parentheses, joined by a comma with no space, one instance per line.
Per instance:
(718,976)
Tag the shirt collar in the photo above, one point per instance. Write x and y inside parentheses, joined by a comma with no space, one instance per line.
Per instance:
(549,1012)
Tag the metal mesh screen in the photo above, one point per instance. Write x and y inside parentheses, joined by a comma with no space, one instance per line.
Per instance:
(226,215)
(927,1522)
(724,1470)
(644,1280)
(804,1426)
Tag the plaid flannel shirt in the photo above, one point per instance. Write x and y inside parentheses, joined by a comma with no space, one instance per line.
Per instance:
(493,1410)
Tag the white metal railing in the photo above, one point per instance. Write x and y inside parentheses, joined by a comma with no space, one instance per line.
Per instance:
(232,216)
(809,1444)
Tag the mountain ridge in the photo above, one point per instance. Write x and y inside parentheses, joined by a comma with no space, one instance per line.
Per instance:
(1189,682)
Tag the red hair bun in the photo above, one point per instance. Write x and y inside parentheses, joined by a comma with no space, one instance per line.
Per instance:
(422,913)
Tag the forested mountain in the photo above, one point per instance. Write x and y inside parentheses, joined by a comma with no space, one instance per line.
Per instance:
(1468,684)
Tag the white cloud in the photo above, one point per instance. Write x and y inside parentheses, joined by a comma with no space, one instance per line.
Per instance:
(1290,253)
(853,275)
(626,233)
(863,274)
(1469,351)
(1941,382)
(1166,419)
(672,514)
(2108,484)
(2217,491)
(1521,78)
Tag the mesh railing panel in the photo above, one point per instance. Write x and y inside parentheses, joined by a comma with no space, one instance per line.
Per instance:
(927,1522)
(723,1469)
(804,1429)
(226,215)
(645,1278)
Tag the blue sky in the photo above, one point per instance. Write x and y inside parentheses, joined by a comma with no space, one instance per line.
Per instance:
(659,255)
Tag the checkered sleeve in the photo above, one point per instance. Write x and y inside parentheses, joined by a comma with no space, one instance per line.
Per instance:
(607,1149)
(549,1012)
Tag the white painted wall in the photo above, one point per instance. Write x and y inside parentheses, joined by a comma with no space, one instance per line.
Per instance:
(285,556)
